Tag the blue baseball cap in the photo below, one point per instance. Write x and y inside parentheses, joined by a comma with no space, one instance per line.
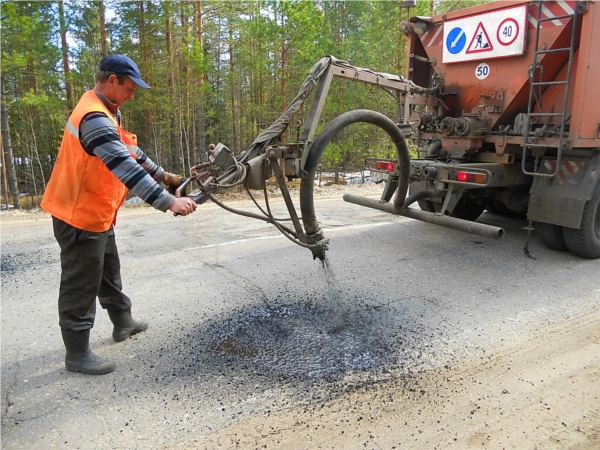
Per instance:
(123,65)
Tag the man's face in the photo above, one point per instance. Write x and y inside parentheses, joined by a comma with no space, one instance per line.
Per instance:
(120,93)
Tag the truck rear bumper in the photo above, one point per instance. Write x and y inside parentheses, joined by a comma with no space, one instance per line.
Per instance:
(433,218)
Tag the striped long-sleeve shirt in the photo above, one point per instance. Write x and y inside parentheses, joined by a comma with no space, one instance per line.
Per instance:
(99,137)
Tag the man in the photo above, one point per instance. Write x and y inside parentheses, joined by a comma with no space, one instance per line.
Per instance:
(97,163)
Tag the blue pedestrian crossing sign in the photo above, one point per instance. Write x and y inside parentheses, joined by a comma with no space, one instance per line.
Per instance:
(456,40)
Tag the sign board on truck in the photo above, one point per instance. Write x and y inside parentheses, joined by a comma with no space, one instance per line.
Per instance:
(485,36)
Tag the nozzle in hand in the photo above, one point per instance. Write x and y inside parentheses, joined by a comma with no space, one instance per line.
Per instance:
(182,206)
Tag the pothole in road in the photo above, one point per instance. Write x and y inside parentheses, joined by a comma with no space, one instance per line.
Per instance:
(354,337)
(302,340)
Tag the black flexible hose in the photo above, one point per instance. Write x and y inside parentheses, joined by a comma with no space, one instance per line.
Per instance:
(430,193)
(335,126)
(290,234)
(434,149)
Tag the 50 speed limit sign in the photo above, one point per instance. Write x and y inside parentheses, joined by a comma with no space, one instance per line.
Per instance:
(482,71)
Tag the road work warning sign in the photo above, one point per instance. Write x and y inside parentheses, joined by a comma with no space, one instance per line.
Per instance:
(481,41)
(485,36)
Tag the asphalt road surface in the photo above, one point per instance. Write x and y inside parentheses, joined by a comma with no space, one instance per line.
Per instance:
(410,336)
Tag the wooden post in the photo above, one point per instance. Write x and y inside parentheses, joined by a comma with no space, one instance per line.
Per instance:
(4,179)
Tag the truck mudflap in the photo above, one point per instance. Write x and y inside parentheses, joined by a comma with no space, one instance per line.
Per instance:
(561,200)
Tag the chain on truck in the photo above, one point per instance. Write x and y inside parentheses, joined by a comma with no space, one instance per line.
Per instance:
(502,102)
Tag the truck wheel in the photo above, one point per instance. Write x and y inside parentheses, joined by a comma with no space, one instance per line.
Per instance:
(491,207)
(503,210)
(467,209)
(552,236)
(418,186)
(586,241)
(426,205)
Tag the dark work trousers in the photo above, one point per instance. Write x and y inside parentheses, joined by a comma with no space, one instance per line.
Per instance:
(90,267)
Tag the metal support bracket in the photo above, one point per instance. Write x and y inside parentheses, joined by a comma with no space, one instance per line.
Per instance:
(391,184)
(446,201)
(286,195)
(316,109)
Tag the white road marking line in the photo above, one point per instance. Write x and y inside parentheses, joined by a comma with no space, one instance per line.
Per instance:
(350,227)
(326,230)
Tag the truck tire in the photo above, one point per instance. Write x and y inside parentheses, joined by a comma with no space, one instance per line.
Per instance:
(418,186)
(586,241)
(491,207)
(426,205)
(552,236)
(501,209)
(465,209)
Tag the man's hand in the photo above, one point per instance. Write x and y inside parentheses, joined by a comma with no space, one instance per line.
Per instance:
(172,181)
(183,206)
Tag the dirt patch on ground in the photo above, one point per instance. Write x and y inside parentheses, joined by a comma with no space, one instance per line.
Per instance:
(539,392)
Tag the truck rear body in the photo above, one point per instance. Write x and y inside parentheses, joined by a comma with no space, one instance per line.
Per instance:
(518,103)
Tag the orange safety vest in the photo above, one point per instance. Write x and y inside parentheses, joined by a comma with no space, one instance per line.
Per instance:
(82,191)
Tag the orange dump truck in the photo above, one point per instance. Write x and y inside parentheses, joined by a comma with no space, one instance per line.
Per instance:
(514,122)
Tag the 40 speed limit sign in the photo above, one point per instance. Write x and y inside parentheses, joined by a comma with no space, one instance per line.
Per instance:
(485,36)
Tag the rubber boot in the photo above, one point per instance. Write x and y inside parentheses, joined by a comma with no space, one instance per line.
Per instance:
(124,324)
(79,357)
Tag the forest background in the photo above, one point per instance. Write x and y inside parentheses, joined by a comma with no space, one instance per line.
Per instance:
(220,71)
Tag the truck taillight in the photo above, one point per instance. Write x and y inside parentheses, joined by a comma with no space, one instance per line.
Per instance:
(384,165)
(472,177)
